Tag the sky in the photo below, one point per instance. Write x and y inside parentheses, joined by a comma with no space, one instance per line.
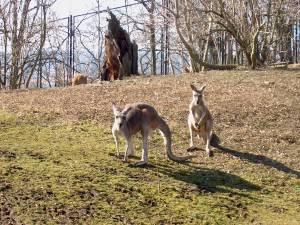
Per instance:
(64,8)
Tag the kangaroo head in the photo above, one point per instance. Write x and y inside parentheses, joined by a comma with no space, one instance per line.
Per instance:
(120,118)
(198,94)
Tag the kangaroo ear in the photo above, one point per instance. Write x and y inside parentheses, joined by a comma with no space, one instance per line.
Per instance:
(116,110)
(202,88)
(193,87)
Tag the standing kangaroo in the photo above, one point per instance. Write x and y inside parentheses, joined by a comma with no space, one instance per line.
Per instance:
(144,118)
(200,120)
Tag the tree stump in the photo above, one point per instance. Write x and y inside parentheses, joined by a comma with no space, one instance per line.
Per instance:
(121,55)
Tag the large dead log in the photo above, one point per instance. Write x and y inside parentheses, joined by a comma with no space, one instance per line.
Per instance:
(121,55)
(112,67)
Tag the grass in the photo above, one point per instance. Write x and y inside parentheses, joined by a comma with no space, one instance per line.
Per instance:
(57,164)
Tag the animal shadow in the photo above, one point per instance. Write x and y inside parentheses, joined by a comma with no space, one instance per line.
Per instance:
(207,180)
(254,158)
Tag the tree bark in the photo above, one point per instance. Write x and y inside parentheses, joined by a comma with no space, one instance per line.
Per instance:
(18,39)
(152,37)
(42,43)
(126,53)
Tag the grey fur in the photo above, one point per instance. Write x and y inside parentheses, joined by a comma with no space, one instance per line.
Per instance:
(200,120)
(141,117)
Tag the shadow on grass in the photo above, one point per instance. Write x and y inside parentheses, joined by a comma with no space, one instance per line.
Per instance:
(209,180)
(253,158)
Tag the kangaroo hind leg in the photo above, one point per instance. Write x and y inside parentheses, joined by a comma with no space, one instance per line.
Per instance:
(208,137)
(144,158)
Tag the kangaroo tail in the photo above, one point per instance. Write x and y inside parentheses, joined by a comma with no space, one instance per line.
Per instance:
(166,133)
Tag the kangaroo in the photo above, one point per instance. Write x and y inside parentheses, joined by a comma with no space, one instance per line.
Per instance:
(79,79)
(200,120)
(141,117)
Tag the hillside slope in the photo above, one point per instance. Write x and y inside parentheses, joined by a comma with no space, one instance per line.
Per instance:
(57,164)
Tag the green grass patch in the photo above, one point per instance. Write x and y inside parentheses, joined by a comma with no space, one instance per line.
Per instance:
(66,174)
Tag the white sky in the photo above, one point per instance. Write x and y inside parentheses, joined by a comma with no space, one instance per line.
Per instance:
(64,8)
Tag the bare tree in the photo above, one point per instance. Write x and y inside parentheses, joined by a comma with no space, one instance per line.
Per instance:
(24,32)
(252,23)
(150,7)
(3,16)
(192,28)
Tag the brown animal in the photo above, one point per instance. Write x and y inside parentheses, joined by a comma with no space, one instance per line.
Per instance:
(141,117)
(112,68)
(200,120)
(187,69)
(79,79)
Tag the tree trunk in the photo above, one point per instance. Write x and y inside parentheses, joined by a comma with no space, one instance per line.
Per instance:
(125,50)
(152,38)
(207,41)
(18,39)
(6,33)
(15,48)
(42,43)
